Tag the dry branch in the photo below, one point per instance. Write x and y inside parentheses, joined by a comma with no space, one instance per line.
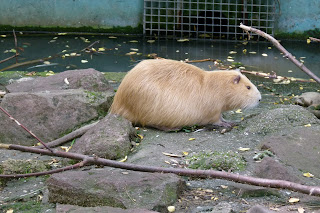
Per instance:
(283,50)
(314,39)
(311,190)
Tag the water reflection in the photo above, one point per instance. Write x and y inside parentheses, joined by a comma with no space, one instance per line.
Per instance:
(115,59)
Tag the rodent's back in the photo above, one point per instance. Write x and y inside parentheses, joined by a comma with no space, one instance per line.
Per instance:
(171,94)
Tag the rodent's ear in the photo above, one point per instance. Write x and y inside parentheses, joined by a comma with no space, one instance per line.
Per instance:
(237,79)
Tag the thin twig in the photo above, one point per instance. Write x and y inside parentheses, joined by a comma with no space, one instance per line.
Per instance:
(7,59)
(314,39)
(283,50)
(16,45)
(69,137)
(75,166)
(311,190)
(88,47)
(23,127)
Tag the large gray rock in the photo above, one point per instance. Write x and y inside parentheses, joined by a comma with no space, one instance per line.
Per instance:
(50,114)
(271,169)
(115,188)
(87,79)
(110,138)
(278,119)
(298,147)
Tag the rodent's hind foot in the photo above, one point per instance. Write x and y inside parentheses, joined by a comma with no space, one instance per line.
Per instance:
(166,129)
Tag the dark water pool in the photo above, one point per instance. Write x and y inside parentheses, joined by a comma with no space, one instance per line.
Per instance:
(115,58)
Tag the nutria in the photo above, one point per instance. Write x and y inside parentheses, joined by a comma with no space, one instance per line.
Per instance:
(168,95)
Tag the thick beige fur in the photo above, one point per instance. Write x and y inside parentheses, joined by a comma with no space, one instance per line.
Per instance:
(168,94)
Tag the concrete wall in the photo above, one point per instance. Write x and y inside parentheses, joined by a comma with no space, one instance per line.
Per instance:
(71,13)
(298,16)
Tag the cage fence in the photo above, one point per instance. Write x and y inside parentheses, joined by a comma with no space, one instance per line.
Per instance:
(206,19)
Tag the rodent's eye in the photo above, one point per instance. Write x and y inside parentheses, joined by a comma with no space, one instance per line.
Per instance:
(248,87)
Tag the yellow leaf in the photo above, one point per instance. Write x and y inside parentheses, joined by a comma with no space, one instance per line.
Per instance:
(65,148)
(9,211)
(308,174)
(308,41)
(182,40)
(151,41)
(307,125)
(224,186)
(191,139)
(131,53)
(244,51)
(171,208)
(112,37)
(172,155)
(185,153)
(301,88)
(84,61)
(264,54)
(133,41)
(134,49)
(101,49)
(3,36)
(124,159)
(294,200)
(238,111)
(243,149)
(62,33)
(269,48)
(140,136)
(232,52)
(216,198)
(253,52)
(46,62)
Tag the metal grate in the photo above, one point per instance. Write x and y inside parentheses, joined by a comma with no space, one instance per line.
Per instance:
(211,19)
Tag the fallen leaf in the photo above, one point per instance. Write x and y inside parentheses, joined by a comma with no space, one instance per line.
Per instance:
(293,200)
(229,59)
(62,33)
(308,174)
(151,41)
(243,149)
(124,159)
(84,61)
(301,210)
(182,40)
(112,37)
(244,51)
(131,53)
(238,111)
(172,155)
(46,62)
(224,186)
(307,125)
(308,41)
(171,208)
(9,211)
(101,49)
(65,148)
(264,54)
(191,139)
(66,81)
(134,41)
(140,136)
(185,153)
(253,52)
(232,52)
(134,49)
(3,36)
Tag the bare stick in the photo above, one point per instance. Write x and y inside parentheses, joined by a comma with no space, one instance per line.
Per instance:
(69,136)
(75,166)
(25,128)
(283,50)
(16,45)
(311,190)
(26,63)
(11,57)
(314,39)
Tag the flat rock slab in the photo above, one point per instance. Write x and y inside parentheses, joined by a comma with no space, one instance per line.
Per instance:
(280,118)
(115,188)
(87,79)
(102,209)
(110,138)
(298,147)
(49,114)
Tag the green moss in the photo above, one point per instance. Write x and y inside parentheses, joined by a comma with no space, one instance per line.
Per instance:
(89,30)
(23,166)
(26,207)
(217,160)
(298,35)
(115,76)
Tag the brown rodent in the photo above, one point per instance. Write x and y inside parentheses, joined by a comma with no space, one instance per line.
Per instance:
(169,95)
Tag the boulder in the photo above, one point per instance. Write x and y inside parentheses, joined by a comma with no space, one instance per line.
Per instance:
(308,99)
(297,147)
(86,79)
(271,169)
(50,114)
(279,119)
(53,106)
(115,188)
(110,138)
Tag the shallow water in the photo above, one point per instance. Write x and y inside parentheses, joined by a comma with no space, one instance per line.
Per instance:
(114,58)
